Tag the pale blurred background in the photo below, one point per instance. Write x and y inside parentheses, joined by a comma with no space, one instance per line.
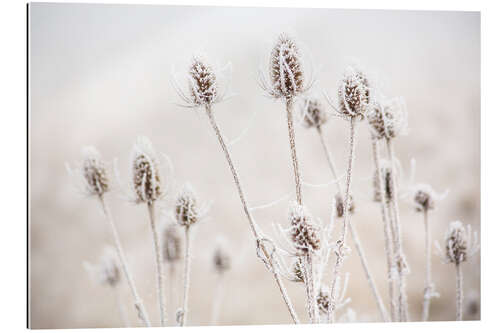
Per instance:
(100,75)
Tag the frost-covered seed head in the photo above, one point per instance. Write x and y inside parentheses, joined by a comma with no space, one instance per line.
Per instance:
(186,207)
(456,241)
(339,205)
(202,83)
(304,234)
(222,260)
(354,94)
(297,271)
(424,198)
(314,114)
(323,300)
(388,118)
(109,271)
(172,243)
(146,181)
(286,70)
(387,186)
(94,172)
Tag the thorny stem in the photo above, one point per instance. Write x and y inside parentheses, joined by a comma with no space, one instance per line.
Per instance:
(305,273)
(428,291)
(347,203)
(141,310)
(159,266)
(460,292)
(252,223)
(295,161)
(387,228)
(354,234)
(187,264)
(400,262)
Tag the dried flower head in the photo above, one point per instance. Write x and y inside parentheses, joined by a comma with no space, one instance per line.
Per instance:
(172,243)
(108,269)
(424,197)
(387,186)
(297,274)
(313,113)
(202,83)
(186,207)
(388,118)
(458,243)
(354,94)
(304,233)
(286,72)
(91,177)
(222,259)
(146,181)
(339,204)
(323,300)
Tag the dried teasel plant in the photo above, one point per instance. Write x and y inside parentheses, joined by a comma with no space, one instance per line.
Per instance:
(206,89)
(388,118)
(222,264)
(148,186)
(172,254)
(460,243)
(93,178)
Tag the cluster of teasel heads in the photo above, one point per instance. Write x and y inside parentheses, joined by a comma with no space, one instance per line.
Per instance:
(307,247)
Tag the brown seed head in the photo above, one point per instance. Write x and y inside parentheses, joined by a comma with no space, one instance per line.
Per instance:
(297,271)
(354,94)
(387,186)
(286,72)
(222,260)
(186,208)
(424,198)
(456,241)
(304,234)
(388,118)
(314,113)
(94,172)
(202,84)
(323,300)
(339,204)
(146,181)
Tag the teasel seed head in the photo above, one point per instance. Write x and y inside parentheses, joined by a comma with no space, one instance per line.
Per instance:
(146,181)
(323,300)
(222,259)
(202,83)
(354,94)
(108,269)
(297,274)
(304,233)
(186,207)
(388,118)
(339,205)
(424,198)
(286,69)
(172,243)
(313,112)
(387,186)
(457,241)
(94,172)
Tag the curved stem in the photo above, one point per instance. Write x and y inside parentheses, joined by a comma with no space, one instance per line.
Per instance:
(187,267)
(141,310)
(251,221)
(347,203)
(400,261)
(329,158)
(460,292)
(159,266)
(388,236)
(295,161)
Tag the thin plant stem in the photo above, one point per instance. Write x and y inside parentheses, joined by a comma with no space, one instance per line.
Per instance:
(388,236)
(355,238)
(139,305)
(159,266)
(121,309)
(187,268)
(293,149)
(307,283)
(460,292)
(428,276)
(403,301)
(347,203)
(171,283)
(312,277)
(249,216)
(217,298)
